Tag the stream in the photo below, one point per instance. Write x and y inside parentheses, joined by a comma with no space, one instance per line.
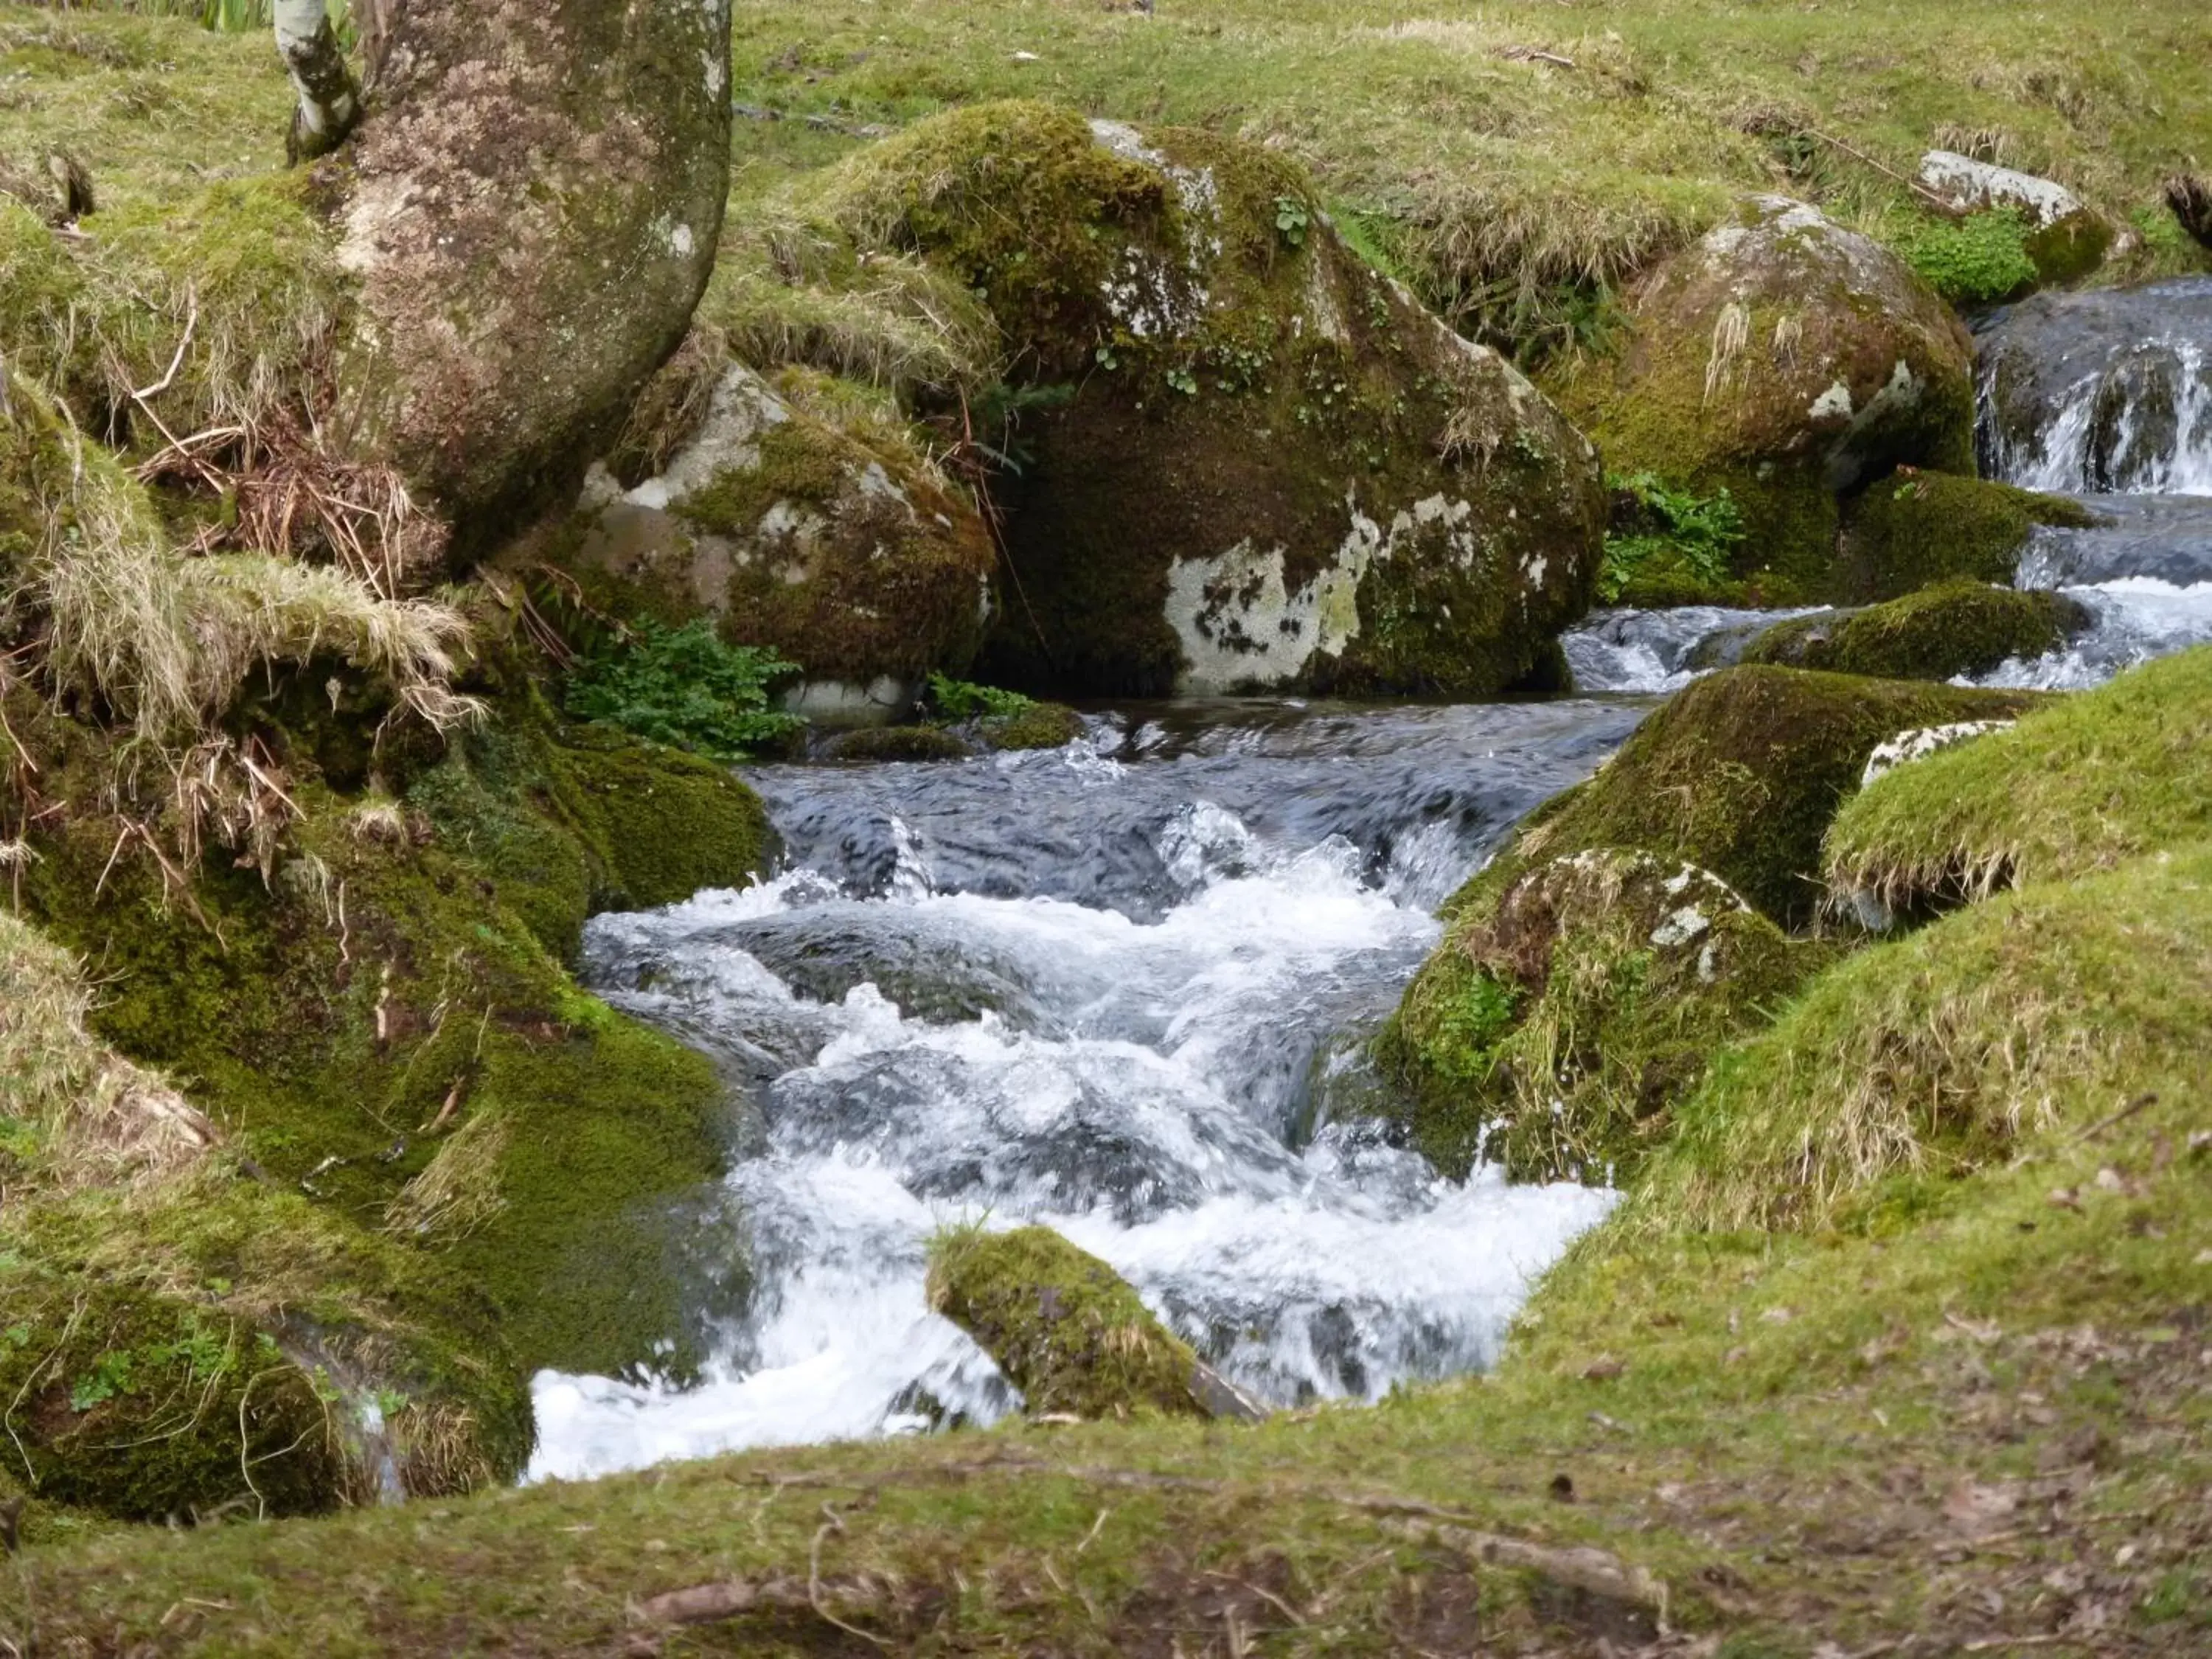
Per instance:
(1123,987)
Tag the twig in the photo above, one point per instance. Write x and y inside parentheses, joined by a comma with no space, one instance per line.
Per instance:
(1858,154)
(1534,55)
(2117,1118)
(832,1522)
(1579,1567)
(191,322)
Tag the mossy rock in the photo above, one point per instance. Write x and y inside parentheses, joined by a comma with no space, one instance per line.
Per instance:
(569,821)
(1040,726)
(1566,1014)
(801,526)
(900,743)
(1064,1327)
(376,1029)
(2077,786)
(1915,529)
(1739,774)
(211,1345)
(1788,361)
(1941,632)
(1247,459)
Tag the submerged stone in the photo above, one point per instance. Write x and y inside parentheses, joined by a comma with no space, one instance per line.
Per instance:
(1069,1332)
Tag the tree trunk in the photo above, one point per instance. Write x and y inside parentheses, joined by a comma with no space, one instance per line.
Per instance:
(330,101)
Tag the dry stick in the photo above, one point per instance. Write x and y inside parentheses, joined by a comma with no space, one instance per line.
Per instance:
(832,1522)
(2117,1118)
(1578,1567)
(1858,154)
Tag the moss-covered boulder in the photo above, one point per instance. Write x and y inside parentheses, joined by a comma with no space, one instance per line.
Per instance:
(1039,726)
(1915,529)
(183,1337)
(565,822)
(1739,774)
(902,742)
(1247,459)
(1566,1013)
(505,155)
(2079,786)
(1790,361)
(1953,629)
(809,526)
(1068,1330)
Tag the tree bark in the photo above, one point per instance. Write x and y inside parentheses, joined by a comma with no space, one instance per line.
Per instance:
(329,100)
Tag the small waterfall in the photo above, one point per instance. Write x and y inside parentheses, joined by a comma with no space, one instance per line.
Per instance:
(2106,397)
(2106,393)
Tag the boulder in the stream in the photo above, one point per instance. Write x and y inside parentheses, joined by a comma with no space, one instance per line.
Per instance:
(1961,628)
(1739,774)
(1915,529)
(1246,458)
(1790,361)
(800,518)
(2066,239)
(1567,1013)
(1069,1332)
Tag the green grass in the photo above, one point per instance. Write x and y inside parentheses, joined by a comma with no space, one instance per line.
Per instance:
(1512,192)
(2076,787)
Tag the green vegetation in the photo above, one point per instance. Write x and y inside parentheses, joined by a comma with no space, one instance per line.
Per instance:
(1914,530)
(1941,632)
(1909,1067)
(962,700)
(683,687)
(1739,774)
(1668,546)
(1565,1015)
(1064,1327)
(2079,786)
(1975,261)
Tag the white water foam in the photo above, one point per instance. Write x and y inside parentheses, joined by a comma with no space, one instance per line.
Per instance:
(2138,618)
(1136,1095)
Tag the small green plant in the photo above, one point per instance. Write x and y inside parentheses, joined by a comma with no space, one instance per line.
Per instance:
(1292,220)
(683,687)
(1978,261)
(1183,381)
(963,699)
(1694,534)
(109,1377)
(1469,1031)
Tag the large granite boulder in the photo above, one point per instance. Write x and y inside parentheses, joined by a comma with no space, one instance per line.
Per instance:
(1245,460)
(1790,361)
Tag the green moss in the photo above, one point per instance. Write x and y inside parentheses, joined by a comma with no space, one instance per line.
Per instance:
(1064,1327)
(1739,774)
(1924,1061)
(1565,1016)
(2077,786)
(1915,529)
(351,1020)
(900,743)
(1040,726)
(1938,633)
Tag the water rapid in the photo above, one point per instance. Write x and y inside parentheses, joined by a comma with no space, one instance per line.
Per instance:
(1120,988)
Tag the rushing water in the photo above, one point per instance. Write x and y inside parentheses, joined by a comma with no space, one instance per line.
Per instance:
(2106,397)
(1116,988)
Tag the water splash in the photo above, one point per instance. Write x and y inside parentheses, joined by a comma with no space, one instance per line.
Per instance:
(1145,1082)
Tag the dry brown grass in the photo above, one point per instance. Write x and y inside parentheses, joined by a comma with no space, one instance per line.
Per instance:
(97,1120)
